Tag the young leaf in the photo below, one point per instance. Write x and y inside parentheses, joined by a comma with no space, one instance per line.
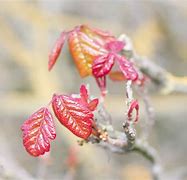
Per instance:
(38,130)
(134,105)
(97,35)
(83,50)
(73,115)
(127,68)
(84,94)
(102,65)
(55,52)
(93,104)
(114,46)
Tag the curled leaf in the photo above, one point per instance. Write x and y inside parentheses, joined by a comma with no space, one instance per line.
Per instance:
(134,105)
(55,52)
(73,115)
(127,68)
(84,99)
(102,65)
(84,94)
(38,130)
(93,104)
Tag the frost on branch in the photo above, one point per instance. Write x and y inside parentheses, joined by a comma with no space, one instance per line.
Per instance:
(38,131)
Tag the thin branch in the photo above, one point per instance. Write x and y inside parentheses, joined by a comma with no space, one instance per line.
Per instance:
(119,143)
(161,77)
(143,148)
(150,119)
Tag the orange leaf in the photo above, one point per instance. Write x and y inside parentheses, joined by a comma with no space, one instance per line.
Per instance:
(83,51)
(116,76)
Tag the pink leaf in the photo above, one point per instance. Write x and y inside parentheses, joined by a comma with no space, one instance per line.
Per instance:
(73,115)
(84,94)
(127,68)
(93,104)
(114,46)
(102,65)
(134,105)
(55,52)
(38,130)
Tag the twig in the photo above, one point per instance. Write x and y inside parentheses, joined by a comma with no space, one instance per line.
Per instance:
(162,78)
(119,143)
(150,119)
(150,154)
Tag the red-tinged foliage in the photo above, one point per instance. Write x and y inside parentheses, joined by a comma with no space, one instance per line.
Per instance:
(114,46)
(85,45)
(84,94)
(99,36)
(102,65)
(119,76)
(85,100)
(73,115)
(127,68)
(92,105)
(134,105)
(38,130)
(55,52)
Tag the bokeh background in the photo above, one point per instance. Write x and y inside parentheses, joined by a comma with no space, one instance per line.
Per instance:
(28,30)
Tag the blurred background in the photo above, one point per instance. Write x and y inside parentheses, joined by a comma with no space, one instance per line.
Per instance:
(28,30)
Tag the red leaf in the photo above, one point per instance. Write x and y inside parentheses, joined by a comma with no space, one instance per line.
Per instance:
(55,52)
(93,104)
(84,94)
(38,130)
(134,105)
(127,68)
(73,115)
(102,65)
(114,46)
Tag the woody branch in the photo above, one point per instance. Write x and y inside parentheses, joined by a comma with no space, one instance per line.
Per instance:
(167,82)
